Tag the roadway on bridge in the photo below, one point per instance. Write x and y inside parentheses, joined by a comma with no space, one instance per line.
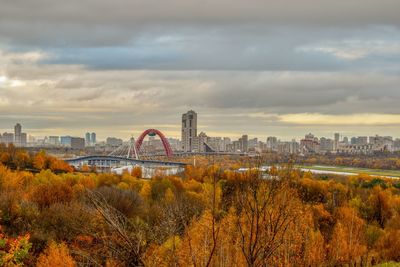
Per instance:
(115,159)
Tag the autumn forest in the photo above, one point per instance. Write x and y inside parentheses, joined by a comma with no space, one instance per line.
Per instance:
(210,215)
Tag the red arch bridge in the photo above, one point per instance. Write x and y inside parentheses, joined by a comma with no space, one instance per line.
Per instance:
(132,149)
(154,132)
(128,154)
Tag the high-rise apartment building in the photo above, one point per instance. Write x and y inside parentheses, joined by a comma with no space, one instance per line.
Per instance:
(20,138)
(336,141)
(77,143)
(244,143)
(272,143)
(54,140)
(381,143)
(326,145)
(310,144)
(93,139)
(253,143)
(65,141)
(289,147)
(24,139)
(189,130)
(7,138)
(90,139)
(337,137)
(17,134)
(362,140)
(87,139)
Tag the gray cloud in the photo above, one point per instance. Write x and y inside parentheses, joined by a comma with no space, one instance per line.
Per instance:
(116,102)
(124,14)
(206,35)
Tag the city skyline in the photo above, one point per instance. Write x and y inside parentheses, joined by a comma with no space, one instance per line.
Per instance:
(194,142)
(259,67)
(88,136)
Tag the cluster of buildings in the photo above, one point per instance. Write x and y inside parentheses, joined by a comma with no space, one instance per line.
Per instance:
(344,145)
(193,142)
(310,144)
(18,138)
(66,141)
(21,139)
(202,143)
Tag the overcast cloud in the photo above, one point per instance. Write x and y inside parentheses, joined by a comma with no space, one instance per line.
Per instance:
(260,67)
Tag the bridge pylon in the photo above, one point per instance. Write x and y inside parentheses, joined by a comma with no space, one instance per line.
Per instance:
(126,150)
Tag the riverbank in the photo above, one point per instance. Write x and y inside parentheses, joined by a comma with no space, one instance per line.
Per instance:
(340,170)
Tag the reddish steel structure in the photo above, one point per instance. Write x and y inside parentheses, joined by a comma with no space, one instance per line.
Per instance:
(153,132)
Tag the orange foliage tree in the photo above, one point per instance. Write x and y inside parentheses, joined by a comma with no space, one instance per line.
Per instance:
(14,251)
(56,255)
(348,238)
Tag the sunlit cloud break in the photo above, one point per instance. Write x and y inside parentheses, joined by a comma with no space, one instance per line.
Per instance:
(349,119)
(355,49)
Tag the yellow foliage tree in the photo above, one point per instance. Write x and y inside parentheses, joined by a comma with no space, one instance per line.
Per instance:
(56,255)
(145,192)
(348,240)
(198,247)
(40,161)
(169,195)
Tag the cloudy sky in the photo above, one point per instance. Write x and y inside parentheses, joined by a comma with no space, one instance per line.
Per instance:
(262,67)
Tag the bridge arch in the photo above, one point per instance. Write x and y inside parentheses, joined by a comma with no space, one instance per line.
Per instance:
(153,132)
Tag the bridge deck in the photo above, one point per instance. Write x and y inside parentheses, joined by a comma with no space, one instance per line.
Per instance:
(126,160)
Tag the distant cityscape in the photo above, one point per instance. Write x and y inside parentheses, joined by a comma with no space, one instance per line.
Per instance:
(192,142)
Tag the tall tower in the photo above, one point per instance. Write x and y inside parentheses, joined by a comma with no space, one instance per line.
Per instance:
(337,137)
(93,139)
(87,139)
(17,134)
(245,143)
(336,141)
(189,130)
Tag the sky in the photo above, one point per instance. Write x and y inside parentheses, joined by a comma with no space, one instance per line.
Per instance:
(259,67)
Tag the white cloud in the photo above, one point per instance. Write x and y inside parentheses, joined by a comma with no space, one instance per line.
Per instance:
(22,57)
(356,49)
(6,82)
